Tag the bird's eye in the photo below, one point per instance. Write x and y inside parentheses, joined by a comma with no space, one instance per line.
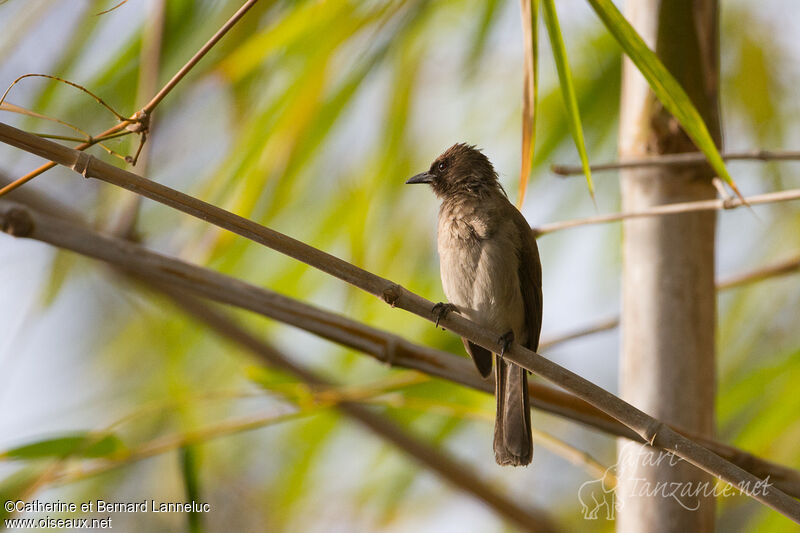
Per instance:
(442,165)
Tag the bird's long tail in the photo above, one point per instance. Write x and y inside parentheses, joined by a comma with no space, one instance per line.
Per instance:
(513,442)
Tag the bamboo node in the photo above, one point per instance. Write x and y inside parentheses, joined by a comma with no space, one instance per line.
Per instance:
(17,222)
(651,431)
(390,352)
(392,293)
(140,122)
(81,164)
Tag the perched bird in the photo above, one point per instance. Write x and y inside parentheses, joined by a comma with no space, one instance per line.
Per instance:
(491,274)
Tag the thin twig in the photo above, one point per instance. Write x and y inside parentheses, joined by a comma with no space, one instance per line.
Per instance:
(602,325)
(148,108)
(678,160)
(140,118)
(70,83)
(672,209)
(17,221)
(781,268)
(54,137)
(109,10)
(5,106)
(12,108)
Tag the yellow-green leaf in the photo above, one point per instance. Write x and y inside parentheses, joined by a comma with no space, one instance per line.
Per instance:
(191,485)
(567,87)
(530,89)
(81,444)
(664,85)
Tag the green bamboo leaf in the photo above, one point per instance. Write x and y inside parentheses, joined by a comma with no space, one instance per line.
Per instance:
(567,87)
(530,89)
(191,484)
(60,270)
(664,85)
(81,444)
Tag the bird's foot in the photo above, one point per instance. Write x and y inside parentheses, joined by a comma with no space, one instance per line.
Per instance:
(441,310)
(505,341)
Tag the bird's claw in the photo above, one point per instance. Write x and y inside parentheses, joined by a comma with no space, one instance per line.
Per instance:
(441,310)
(505,341)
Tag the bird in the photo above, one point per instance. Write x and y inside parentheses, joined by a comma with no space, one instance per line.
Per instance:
(491,273)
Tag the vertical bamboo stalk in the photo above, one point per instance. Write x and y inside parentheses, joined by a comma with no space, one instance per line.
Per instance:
(669,302)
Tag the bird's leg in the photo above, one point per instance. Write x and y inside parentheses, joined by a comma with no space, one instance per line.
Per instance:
(441,310)
(506,340)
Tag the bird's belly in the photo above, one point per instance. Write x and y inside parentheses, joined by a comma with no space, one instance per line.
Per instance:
(457,266)
(483,284)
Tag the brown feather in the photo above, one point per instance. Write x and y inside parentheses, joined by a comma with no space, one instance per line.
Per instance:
(480,356)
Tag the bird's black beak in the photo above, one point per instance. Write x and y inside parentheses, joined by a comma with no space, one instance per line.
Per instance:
(424,177)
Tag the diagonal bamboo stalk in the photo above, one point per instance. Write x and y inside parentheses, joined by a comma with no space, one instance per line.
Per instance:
(21,222)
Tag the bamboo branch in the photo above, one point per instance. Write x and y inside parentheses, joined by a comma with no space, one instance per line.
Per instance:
(599,326)
(685,158)
(21,222)
(780,268)
(12,108)
(138,121)
(671,209)
(195,59)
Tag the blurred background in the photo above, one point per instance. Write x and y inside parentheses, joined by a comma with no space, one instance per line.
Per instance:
(308,117)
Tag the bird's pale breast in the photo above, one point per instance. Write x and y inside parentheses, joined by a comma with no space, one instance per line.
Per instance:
(480,267)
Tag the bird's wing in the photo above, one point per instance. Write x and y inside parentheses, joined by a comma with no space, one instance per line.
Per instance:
(530,279)
(480,356)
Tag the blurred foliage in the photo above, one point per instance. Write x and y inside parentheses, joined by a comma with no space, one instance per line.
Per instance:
(308,117)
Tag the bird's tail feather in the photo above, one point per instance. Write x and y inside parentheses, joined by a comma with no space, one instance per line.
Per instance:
(513,442)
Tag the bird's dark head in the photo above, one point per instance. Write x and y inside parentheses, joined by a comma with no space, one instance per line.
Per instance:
(461,169)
